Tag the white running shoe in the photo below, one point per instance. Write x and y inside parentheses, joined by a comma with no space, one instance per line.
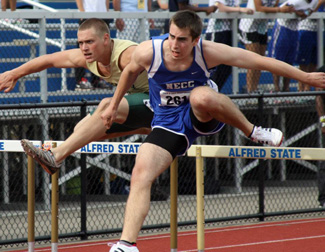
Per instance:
(268,136)
(119,247)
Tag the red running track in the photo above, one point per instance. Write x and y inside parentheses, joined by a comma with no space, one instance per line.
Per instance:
(306,235)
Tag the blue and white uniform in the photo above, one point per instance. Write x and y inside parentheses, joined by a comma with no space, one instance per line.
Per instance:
(284,42)
(307,43)
(169,92)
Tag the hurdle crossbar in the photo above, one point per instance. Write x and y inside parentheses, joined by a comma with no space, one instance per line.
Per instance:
(103,147)
(258,152)
(247,152)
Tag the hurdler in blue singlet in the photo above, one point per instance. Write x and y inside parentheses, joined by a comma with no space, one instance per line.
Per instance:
(169,92)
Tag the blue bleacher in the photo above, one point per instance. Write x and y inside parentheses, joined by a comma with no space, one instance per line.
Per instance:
(54,5)
(24,52)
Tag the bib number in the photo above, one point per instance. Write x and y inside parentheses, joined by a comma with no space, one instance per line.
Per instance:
(173,99)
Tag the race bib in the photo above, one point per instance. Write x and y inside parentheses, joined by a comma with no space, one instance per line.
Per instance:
(173,99)
(141,4)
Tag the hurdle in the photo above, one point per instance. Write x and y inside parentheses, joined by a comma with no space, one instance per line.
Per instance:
(15,146)
(248,152)
(92,148)
(198,151)
(55,209)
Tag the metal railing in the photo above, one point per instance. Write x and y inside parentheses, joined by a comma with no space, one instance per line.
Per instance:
(62,15)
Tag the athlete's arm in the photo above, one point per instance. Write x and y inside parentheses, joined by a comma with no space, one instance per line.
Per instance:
(65,59)
(216,54)
(140,61)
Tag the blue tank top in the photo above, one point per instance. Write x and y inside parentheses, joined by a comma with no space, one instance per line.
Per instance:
(169,91)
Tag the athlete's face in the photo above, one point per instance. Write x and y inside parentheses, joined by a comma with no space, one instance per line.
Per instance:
(180,42)
(91,45)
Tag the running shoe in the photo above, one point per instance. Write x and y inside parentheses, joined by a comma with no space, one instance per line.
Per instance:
(268,136)
(121,247)
(43,156)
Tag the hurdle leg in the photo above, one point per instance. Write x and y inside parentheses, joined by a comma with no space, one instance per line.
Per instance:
(200,200)
(31,204)
(55,210)
(173,204)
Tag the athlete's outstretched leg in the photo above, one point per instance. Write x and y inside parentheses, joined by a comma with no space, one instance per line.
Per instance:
(90,129)
(207,104)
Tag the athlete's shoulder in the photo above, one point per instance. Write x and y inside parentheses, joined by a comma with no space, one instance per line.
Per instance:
(143,54)
(122,51)
(144,47)
(209,45)
(157,41)
(123,46)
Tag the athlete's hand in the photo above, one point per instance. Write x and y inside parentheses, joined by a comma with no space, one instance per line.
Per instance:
(316,79)
(7,81)
(108,116)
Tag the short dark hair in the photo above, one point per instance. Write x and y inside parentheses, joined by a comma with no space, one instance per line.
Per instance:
(99,26)
(188,19)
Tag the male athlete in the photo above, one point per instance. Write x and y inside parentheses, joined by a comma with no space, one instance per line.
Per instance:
(184,106)
(106,58)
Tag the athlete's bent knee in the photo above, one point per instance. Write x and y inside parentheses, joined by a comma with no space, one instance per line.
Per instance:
(104,104)
(202,97)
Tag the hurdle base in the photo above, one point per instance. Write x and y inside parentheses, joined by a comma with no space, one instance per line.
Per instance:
(173,250)
(31,246)
(54,247)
